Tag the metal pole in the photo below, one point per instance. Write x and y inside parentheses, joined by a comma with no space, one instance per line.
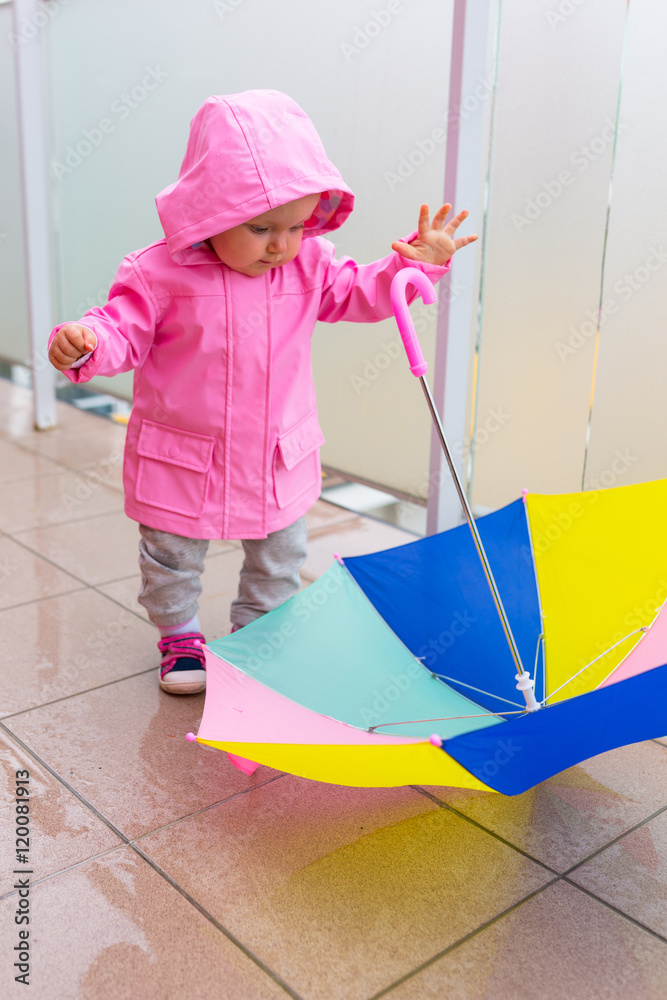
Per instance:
(33,128)
(469,114)
(473,527)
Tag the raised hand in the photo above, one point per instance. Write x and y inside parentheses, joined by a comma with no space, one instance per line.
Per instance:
(70,343)
(435,242)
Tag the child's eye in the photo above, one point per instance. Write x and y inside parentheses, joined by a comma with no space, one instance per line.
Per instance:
(294,228)
(259,229)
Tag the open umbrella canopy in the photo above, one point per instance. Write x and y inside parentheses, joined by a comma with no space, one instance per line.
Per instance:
(349,680)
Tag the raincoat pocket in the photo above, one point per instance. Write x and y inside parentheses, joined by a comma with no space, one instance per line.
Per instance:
(174,468)
(296,463)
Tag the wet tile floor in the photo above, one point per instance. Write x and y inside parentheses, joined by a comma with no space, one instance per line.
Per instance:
(160,871)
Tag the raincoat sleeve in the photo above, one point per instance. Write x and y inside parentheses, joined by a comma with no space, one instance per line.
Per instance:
(359,293)
(124,327)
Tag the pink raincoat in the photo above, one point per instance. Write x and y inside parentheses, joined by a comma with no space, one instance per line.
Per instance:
(223,440)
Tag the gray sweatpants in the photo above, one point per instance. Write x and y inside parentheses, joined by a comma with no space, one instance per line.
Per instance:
(171,568)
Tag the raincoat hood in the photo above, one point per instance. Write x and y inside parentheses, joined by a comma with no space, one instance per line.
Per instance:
(248,153)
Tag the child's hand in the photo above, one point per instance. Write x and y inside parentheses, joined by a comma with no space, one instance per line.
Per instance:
(435,243)
(70,343)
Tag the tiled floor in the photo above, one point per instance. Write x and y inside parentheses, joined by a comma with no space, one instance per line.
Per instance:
(160,871)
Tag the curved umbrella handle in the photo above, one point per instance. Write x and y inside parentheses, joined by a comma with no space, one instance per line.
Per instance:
(399,303)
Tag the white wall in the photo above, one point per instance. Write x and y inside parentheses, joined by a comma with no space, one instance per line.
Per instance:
(371,91)
(628,440)
(375,94)
(557,95)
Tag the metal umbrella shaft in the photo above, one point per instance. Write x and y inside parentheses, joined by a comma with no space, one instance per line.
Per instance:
(418,367)
(473,527)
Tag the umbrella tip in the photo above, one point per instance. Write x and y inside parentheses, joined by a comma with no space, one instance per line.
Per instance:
(338,557)
(524,494)
(190,737)
(435,740)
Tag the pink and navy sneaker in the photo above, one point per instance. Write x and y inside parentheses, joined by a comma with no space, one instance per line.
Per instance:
(183,667)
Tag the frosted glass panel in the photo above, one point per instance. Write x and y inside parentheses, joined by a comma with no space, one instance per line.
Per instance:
(556,106)
(120,139)
(14,334)
(628,430)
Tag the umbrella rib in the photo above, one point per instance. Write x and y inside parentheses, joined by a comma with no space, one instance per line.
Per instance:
(448,718)
(634,632)
(540,641)
(472,688)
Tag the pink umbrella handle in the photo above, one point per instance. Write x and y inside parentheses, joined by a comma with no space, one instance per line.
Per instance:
(399,303)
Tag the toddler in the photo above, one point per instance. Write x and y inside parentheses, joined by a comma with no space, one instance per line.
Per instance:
(216,320)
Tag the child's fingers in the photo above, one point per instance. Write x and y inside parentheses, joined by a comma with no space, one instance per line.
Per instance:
(80,337)
(59,359)
(440,216)
(463,241)
(424,224)
(452,226)
(70,343)
(406,250)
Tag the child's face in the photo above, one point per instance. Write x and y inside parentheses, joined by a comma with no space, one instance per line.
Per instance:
(268,241)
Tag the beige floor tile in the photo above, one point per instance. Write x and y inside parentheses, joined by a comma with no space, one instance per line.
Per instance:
(125,592)
(80,439)
(24,576)
(561,945)
(632,874)
(17,463)
(322,516)
(46,500)
(351,538)
(114,929)
(69,644)
(341,890)
(62,830)
(123,748)
(566,818)
(107,473)
(96,550)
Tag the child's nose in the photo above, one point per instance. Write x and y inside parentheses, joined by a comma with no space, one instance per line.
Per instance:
(277,243)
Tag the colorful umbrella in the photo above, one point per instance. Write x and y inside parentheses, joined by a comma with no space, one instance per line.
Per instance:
(413,665)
